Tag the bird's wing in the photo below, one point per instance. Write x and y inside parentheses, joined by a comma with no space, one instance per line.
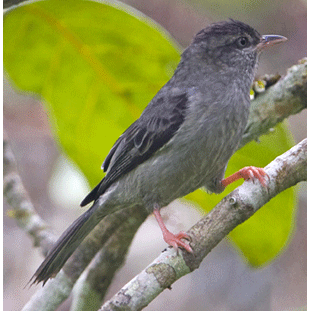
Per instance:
(141,140)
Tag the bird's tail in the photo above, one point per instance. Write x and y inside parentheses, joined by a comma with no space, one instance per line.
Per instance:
(66,245)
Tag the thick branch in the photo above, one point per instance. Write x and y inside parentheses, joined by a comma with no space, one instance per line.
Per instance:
(287,97)
(56,290)
(284,172)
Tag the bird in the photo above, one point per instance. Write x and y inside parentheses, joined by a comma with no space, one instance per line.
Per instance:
(183,139)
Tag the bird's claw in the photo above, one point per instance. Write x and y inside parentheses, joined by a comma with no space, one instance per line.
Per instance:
(175,240)
(252,173)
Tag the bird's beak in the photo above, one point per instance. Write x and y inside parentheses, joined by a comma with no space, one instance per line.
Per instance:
(269,40)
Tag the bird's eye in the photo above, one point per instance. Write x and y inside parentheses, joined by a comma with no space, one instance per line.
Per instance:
(242,42)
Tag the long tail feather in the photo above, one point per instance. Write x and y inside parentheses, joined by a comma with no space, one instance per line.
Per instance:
(65,246)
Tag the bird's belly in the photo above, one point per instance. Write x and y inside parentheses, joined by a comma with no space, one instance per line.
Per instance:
(168,177)
(175,172)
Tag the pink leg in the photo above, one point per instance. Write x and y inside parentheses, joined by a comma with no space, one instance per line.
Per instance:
(170,238)
(248,172)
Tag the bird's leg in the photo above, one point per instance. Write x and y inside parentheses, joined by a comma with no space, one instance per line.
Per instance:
(170,238)
(248,172)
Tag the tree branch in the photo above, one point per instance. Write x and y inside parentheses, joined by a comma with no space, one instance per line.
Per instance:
(286,97)
(284,172)
(120,226)
(23,210)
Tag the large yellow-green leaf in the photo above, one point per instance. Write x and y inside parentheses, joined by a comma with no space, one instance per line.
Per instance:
(97,65)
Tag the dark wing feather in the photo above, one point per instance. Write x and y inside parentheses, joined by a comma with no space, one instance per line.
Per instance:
(130,131)
(139,142)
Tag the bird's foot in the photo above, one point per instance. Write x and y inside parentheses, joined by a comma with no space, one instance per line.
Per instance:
(175,240)
(170,238)
(247,173)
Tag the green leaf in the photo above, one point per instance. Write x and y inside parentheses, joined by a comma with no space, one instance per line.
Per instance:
(97,65)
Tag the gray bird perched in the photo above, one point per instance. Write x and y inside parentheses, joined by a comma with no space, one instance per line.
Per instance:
(182,141)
